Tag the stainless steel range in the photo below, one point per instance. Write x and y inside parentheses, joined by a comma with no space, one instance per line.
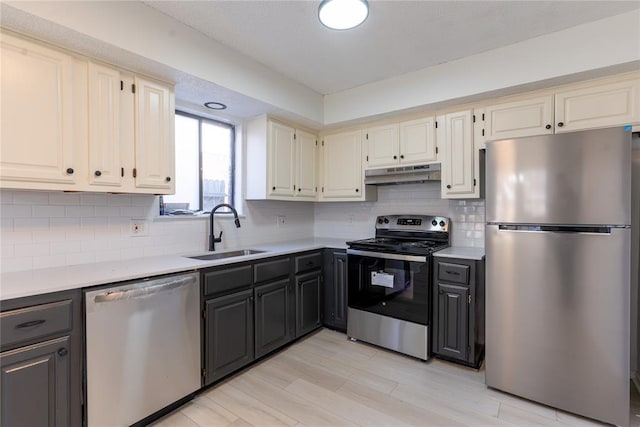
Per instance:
(389,281)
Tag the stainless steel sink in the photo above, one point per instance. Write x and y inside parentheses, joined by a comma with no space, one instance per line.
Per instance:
(223,255)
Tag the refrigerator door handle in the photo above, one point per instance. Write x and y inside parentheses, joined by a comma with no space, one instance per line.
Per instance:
(559,229)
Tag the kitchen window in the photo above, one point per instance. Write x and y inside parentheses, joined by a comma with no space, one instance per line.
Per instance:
(205,152)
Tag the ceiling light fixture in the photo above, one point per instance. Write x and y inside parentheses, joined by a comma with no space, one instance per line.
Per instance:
(215,105)
(343,14)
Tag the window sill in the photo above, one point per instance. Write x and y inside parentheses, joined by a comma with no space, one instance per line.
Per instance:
(218,216)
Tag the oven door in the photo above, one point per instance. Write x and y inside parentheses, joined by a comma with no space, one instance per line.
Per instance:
(393,285)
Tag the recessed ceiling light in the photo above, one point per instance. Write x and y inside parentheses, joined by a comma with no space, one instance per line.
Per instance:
(215,105)
(343,14)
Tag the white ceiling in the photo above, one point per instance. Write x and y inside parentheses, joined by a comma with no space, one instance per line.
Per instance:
(398,37)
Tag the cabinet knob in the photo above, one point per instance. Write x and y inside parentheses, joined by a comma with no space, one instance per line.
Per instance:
(273,188)
(97,173)
(168,179)
(69,171)
(357,190)
(449,186)
(560,124)
(402,156)
(547,127)
(62,351)
(395,157)
(299,189)
(441,292)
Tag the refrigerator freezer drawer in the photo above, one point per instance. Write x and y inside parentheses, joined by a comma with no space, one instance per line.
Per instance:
(557,319)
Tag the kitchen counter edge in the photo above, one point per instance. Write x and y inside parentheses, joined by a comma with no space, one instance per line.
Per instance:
(28,283)
(461,252)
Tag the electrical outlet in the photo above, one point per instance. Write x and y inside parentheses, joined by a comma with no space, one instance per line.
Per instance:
(139,227)
(280,220)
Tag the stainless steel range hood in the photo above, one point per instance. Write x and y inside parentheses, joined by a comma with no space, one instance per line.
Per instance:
(402,174)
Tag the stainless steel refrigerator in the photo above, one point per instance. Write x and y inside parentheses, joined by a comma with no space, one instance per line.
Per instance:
(558,237)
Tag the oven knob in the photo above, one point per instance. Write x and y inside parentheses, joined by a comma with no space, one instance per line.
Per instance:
(379,220)
(434,222)
(386,220)
(384,304)
(441,223)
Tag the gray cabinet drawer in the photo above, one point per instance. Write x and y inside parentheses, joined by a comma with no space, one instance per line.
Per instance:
(226,279)
(456,273)
(34,322)
(308,262)
(269,270)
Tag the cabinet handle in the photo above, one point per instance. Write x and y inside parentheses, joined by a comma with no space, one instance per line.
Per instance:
(250,299)
(273,188)
(259,294)
(97,173)
(455,273)
(449,186)
(299,189)
(62,351)
(30,324)
(402,156)
(441,292)
(547,127)
(560,124)
(357,190)
(69,171)
(395,157)
(168,179)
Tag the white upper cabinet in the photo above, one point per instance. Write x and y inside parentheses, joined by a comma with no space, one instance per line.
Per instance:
(281,151)
(342,171)
(105,155)
(306,160)
(383,147)
(154,136)
(406,143)
(418,141)
(599,105)
(40,127)
(281,161)
(533,116)
(455,136)
(70,124)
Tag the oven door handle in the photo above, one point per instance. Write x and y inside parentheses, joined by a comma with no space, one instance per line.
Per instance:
(386,255)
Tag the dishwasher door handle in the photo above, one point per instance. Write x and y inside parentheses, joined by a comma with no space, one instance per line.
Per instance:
(147,290)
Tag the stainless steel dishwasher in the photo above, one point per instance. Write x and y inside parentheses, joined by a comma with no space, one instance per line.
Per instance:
(143,348)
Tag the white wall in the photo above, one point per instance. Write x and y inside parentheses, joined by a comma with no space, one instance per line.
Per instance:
(356,220)
(597,45)
(52,229)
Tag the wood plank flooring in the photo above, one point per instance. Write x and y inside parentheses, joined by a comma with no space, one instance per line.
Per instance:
(327,380)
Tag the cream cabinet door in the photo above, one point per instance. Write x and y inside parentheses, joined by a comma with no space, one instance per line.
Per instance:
(382,143)
(455,135)
(154,136)
(281,158)
(418,141)
(604,105)
(106,167)
(342,166)
(38,123)
(520,118)
(305,165)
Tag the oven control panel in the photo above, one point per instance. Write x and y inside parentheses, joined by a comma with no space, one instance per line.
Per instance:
(419,223)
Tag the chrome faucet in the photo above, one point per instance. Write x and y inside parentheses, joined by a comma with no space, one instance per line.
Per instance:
(212,237)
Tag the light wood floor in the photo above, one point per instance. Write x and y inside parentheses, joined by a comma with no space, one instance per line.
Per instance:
(327,380)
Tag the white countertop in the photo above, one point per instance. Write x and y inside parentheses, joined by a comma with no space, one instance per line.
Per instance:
(33,282)
(461,252)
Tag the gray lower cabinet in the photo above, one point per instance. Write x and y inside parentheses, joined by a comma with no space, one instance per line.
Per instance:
(41,360)
(274,311)
(309,306)
(335,289)
(228,334)
(458,305)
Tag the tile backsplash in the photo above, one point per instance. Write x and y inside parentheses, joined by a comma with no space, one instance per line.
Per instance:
(40,229)
(357,220)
